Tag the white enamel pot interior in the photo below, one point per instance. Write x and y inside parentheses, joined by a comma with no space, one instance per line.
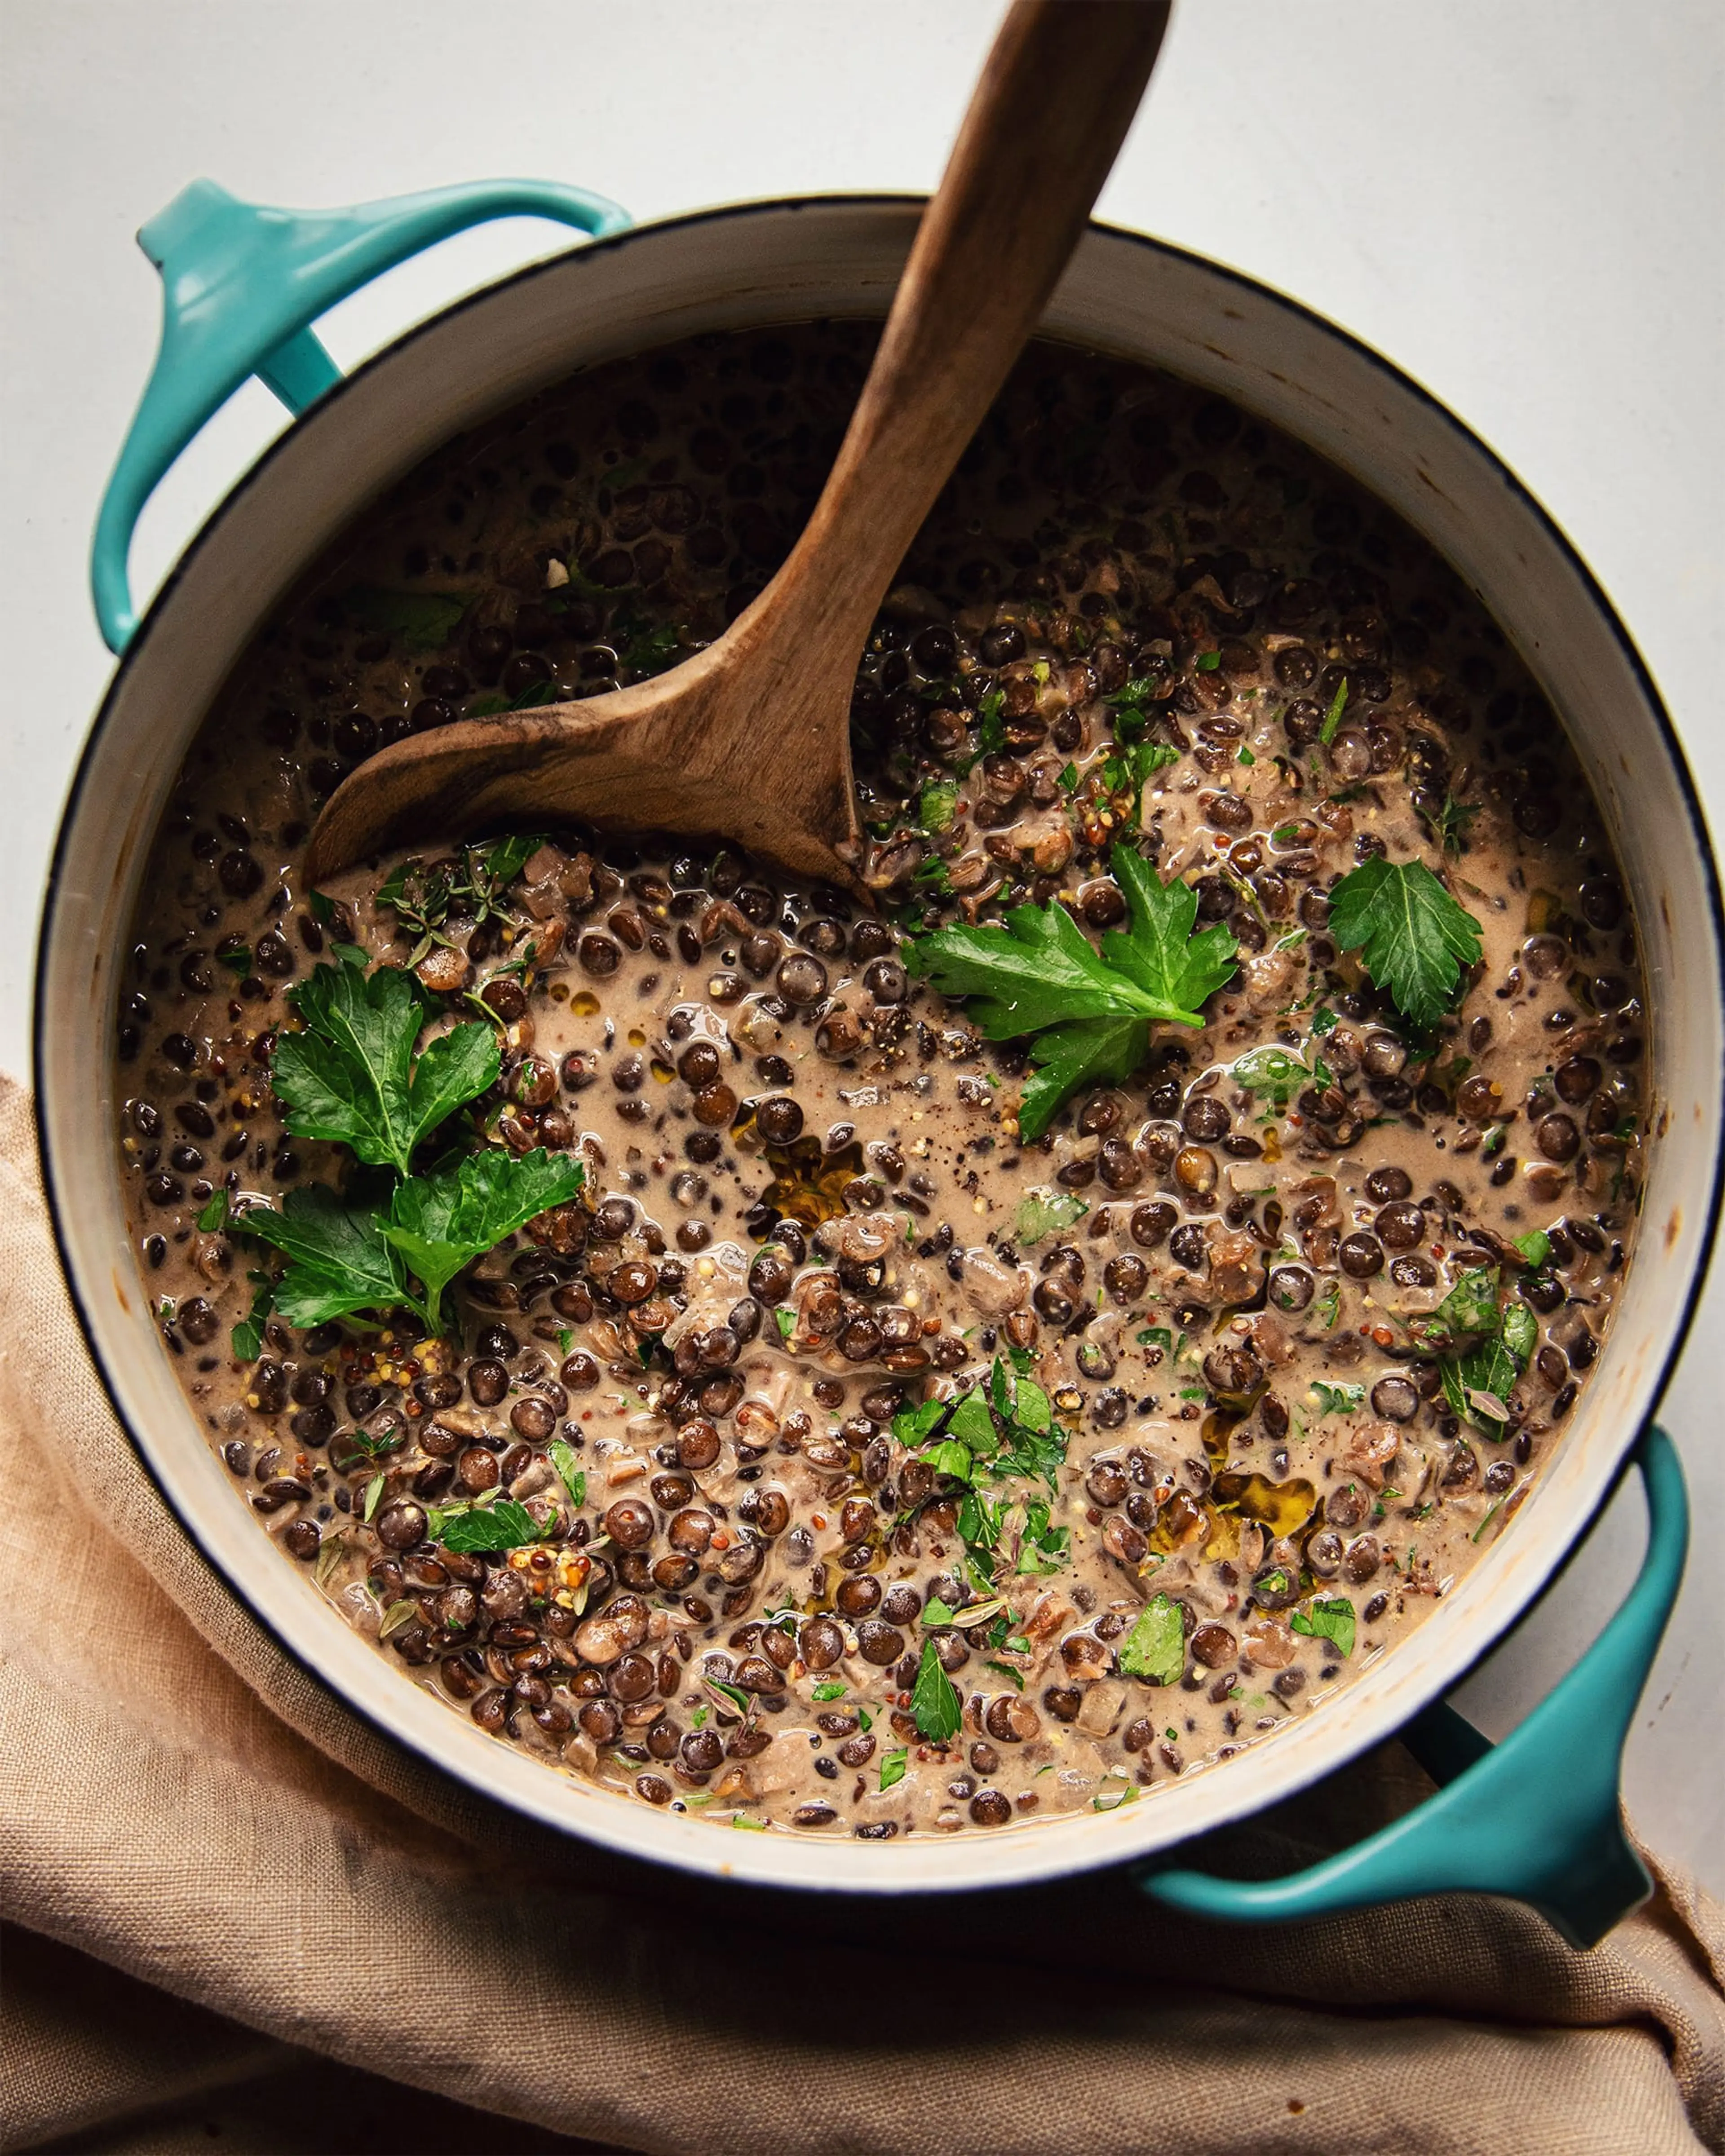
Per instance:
(786,262)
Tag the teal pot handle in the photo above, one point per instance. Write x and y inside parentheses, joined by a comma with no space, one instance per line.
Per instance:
(1537,1817)
(241,284)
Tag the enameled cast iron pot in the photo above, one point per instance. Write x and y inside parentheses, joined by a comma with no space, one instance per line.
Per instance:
(1538,1816)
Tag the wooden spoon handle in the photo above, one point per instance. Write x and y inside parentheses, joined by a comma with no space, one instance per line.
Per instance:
(1044,126)
(751,736)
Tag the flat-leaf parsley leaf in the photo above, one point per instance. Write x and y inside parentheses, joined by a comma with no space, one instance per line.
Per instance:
(338,1261)
(1414,937)
(467,1529)
(352,1076)
(441,1221)
(1090,1011)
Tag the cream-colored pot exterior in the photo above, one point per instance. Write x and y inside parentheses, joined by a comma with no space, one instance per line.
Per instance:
(787,262)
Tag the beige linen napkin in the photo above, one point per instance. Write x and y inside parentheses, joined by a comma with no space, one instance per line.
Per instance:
(239,1916)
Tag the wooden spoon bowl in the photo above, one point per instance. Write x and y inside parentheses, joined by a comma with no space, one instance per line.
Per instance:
(749,740)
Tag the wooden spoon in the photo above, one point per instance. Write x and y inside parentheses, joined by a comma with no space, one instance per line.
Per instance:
(749,740)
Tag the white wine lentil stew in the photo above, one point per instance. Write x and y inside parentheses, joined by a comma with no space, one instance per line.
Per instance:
(921,1366)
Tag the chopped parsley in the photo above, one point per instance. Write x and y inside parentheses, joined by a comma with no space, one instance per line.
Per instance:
(1130,707)
(1042,1548)
(938,807)
(935,1705)
(981,1520)
(530,699)
(423,620)
(1155,1648)
(1126,771)
(646,650)
(1041,1214)
(971,1439)
(247,1340)
(1470,1307)
(934,875)
(1000,1432)
(570,1472)
(1328,1617)
(1478,1384)
(1338,1400)
(1273,1075)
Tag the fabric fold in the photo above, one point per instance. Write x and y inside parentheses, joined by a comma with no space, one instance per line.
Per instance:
(188,1808)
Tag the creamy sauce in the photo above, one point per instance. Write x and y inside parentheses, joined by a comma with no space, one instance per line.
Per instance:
(806,1208)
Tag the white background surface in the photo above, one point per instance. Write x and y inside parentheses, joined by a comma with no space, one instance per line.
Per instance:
(1522,203)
